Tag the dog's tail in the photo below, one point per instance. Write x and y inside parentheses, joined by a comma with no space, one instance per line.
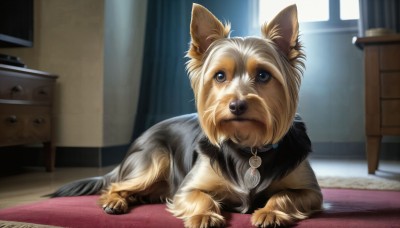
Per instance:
(88,186)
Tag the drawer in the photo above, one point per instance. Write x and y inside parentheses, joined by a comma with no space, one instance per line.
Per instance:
(390,57)
(390,113)
(26,88)
(22,124)
(390,85)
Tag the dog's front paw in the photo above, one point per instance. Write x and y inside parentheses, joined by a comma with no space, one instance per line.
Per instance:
(270,218)
(114,204)
(205,220)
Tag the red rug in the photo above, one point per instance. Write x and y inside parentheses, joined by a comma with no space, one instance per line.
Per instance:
(345,208)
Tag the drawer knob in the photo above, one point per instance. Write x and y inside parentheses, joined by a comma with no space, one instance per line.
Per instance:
(39,120)
(16,89)
(42,92)
(12,119)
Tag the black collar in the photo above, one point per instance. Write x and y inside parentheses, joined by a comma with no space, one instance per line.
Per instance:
(262,149)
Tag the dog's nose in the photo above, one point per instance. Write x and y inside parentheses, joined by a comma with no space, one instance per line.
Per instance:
(238,107)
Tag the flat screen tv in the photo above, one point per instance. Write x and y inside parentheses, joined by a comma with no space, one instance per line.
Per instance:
(16,23)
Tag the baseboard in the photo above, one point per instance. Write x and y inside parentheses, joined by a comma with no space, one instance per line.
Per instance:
(90,156)
(353,150)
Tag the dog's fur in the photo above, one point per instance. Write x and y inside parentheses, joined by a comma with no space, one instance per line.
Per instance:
(246,92)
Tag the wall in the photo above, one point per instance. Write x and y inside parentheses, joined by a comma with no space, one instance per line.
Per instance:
(332,93)
(72,46)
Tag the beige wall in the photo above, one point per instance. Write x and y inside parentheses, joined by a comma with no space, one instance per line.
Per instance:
(71,40)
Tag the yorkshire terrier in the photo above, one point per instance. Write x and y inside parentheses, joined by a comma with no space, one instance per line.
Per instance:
(246,148)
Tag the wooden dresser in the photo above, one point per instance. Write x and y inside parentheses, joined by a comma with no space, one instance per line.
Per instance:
(382,91)
(26,103)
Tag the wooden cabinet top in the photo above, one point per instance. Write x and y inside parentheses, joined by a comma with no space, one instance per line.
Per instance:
(361,42)
(9,68)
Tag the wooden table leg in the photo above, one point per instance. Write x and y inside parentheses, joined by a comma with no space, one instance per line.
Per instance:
(49,156)
(373,150)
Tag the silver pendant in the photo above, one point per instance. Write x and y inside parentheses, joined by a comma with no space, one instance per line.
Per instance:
(255,161)
(251,178)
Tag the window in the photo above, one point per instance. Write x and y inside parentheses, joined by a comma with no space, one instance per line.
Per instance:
(349,10)
(315,15)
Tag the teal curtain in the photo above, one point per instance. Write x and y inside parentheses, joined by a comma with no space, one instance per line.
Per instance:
(165,88)
(379,14)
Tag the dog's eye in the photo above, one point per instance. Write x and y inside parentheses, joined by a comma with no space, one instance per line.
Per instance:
(220,76)
(263,76)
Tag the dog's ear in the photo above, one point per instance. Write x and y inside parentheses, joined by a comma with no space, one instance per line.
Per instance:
(205,28)
(283,30)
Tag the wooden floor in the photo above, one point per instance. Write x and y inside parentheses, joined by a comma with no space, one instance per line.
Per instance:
(32,183)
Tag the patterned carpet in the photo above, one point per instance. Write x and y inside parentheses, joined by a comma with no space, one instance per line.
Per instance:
(370,183)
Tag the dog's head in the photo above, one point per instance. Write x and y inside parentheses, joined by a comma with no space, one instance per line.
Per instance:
(246,89)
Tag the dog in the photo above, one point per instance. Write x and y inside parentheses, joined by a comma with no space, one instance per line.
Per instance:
(245,150)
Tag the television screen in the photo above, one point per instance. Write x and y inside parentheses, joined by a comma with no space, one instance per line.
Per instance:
(16,23)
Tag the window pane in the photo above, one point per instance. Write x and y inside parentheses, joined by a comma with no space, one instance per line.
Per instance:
(349,10)
(308,10)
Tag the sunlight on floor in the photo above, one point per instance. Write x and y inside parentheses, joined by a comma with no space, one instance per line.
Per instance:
(355,168)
